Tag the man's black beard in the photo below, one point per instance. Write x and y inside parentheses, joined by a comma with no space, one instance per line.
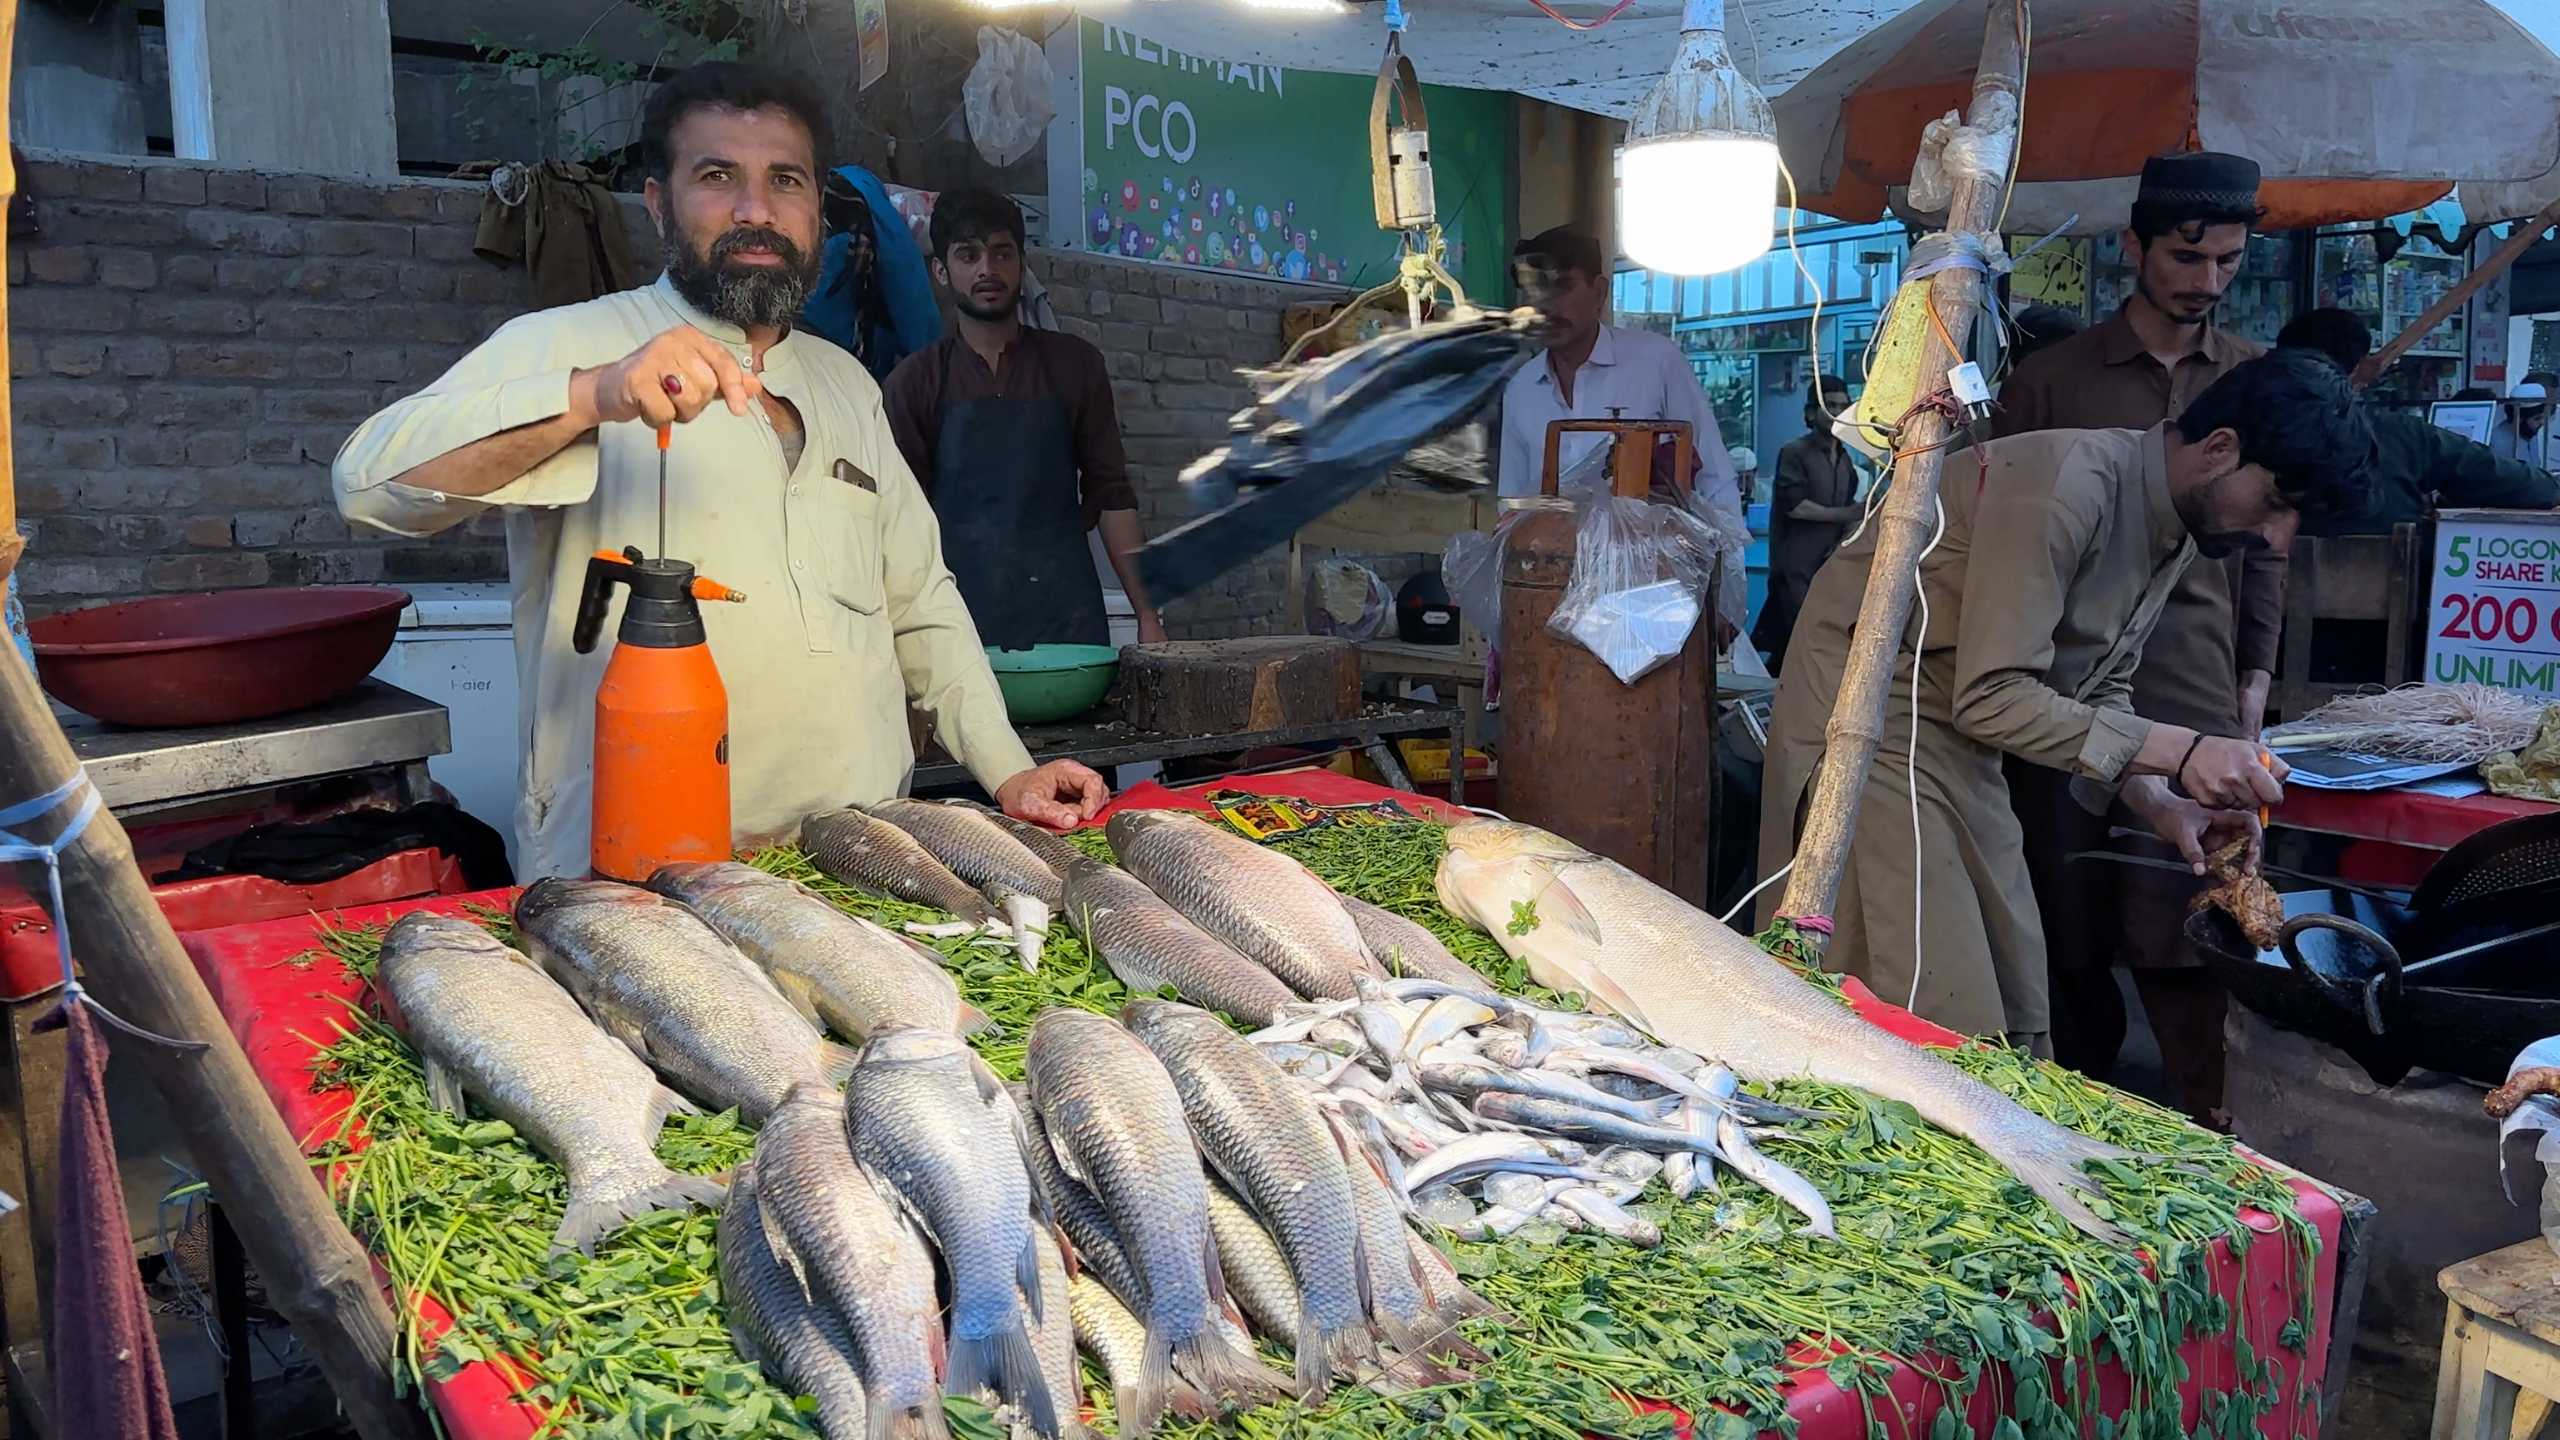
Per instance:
(751,297)
(2144,286)
(969,306)
(2215,544)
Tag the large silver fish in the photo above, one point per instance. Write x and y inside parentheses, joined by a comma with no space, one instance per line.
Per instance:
(1149,945)
(799,1342)
(869,853)
(1079,1216)
(664,983)
(928,1117)
(1261,1132)
(1055,850)
(848,1249)
(1397,1302)
(1588,924)
(838,969)
(1260,901)
(487,1023)
(974,846)
(1114,1118)
(1403,947)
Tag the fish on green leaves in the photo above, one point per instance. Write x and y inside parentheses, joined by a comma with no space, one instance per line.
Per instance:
(664,983)
(1647,956)
(926,1115)
(1260,901)
(1149,945)
(487,1023)
(1115,1121)
(1261,1132)
(846,1248)
(801,1343)
(838,969)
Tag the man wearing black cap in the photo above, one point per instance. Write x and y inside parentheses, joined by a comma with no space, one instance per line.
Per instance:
(2210,660)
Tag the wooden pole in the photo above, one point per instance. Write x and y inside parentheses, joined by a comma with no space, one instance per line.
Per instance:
(1910,508)
(10,543)
(2434,315)
(316,1275)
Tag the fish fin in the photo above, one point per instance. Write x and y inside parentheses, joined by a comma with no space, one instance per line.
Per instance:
(969,1019)
(1068,1164)
(1419,1370)
(1231,1377)
(1067,1255)
(1004,1362)
(1556,904)
(921,1422)
(800,996)
(1155,1379)
(1215,1268)
(590,1214)
(444,1087)
(1026,1272)
(1315,1359)
(837,1061)
(665,1104)
(780,1244)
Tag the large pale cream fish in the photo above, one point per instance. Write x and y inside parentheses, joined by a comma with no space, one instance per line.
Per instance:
(838,969)
(1588,924)
(1260,901)
(488,1024)
(664,983)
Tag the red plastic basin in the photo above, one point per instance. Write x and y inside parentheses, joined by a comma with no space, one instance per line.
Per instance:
(177,660)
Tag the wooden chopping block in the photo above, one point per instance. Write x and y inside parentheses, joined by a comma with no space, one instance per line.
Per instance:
(1211,687)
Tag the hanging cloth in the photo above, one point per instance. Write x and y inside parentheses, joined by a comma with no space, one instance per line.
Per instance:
(560,222)
(875,293)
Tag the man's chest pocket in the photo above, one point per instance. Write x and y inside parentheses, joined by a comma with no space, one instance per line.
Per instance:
(847,536)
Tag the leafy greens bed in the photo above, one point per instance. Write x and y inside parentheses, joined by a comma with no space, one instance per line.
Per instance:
(1941,1253)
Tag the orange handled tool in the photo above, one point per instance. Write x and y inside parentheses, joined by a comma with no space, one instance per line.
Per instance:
(2266,758)
(666,437)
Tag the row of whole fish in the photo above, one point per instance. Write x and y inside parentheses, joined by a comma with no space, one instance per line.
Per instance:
(1198,1180)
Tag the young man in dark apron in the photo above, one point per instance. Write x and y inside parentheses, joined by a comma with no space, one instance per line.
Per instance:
(1013,433)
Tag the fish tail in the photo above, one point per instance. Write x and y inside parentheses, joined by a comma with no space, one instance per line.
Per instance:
(916,1422)
(2052,1164)
(1232,1376)
(593,1213)
(970,1020)
(1148,1397)
(1315,1357)
(1004,1362)
(1419,1370)
(1425,1338)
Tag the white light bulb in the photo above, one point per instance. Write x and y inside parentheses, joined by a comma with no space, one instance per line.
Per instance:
(1699,205)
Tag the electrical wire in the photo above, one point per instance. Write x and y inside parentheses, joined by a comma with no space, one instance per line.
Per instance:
(1570,23)
(1911,755)
(1774,877)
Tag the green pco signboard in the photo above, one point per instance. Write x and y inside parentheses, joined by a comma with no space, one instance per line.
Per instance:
(1258,169)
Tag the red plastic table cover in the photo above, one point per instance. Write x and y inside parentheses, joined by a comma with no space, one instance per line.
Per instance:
(2397,835)
(276,1007)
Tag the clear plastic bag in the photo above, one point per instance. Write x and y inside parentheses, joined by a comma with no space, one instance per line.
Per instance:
(1008,96)
(1639,587)
(1471,566)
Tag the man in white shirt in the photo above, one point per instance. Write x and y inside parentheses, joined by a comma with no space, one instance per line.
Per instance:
(1593,370)
(783,480)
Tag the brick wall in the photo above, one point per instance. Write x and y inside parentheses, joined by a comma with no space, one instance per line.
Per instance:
(189,345)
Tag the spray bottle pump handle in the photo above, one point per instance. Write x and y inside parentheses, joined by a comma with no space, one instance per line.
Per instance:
(605,569)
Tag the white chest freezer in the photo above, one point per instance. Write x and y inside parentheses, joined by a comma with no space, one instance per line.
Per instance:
(457,647)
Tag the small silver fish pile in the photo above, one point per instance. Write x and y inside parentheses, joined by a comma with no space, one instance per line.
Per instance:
(1482,1113)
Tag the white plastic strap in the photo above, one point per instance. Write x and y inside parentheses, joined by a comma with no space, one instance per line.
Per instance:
(18,849)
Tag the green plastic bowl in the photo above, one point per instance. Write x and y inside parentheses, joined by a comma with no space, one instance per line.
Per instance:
(1049,683)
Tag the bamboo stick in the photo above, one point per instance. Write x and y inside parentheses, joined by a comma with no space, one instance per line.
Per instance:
(11,545)
(2434,315)
(1857,712)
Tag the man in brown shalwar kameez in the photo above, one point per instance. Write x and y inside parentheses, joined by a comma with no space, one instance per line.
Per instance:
(2210,659)
(2060,551)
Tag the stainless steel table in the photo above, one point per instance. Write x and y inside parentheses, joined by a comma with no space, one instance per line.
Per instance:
(149,772)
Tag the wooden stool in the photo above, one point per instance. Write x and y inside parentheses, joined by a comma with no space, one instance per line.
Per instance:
(2500,1376)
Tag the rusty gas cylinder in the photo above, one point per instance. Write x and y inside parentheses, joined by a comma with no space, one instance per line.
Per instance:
(1625,771)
